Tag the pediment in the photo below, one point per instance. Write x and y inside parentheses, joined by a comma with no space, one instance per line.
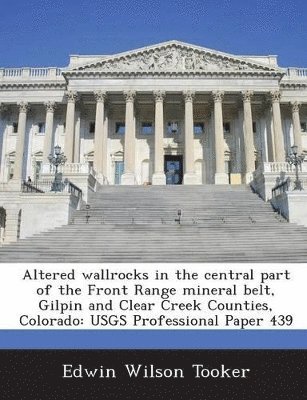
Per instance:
(174,58)
(38,154)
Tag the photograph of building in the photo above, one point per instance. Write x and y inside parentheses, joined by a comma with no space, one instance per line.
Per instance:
(169,121)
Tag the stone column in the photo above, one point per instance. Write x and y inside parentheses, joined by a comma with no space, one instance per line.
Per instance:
(70,126)
(50,107)
(100,141)
(20,143)
(128,178)
(220,175)
(278,133)
(158,177)
(248,136)
(189,177)
(76,157)
(268,127)
(105,154)
(3,134)
(297,133)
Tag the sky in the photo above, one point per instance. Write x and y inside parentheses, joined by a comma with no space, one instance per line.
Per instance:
(45,32)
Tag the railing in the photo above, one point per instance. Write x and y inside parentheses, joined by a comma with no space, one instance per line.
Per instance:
(29,187)
(31,73)
(68,168)
(46,185)
(72,189)
(39,71)
(282,167)
(282,187)
(293,72)
(12,72)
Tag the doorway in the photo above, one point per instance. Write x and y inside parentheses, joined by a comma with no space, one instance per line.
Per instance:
(119,170)
(173,168)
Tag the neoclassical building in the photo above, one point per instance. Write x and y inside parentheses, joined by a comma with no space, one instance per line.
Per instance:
(171,113)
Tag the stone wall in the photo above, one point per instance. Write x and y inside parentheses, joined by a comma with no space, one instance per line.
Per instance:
(292,206)
(29,214)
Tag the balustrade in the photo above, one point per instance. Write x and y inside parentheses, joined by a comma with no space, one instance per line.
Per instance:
(30,73)
(282,167)
(68,168)
(296,72)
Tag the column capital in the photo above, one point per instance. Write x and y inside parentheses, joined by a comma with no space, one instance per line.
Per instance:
(159,95)
(23,107)
(50,106)
(275,96)
(188,95)
(100,96)
(71,96)
(247,95)
(218,96)
(295,106)
(129,96)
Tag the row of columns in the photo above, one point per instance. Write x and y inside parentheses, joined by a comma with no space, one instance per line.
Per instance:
(100,153)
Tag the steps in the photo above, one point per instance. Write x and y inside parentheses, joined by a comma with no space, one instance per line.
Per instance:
(138,224)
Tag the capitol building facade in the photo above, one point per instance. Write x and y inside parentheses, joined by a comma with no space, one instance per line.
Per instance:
(170,113)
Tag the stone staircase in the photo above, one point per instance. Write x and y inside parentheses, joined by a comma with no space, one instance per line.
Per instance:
(140,224)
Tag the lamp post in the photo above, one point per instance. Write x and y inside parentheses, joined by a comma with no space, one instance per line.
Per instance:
(179,215)
(56,159)
(296,160)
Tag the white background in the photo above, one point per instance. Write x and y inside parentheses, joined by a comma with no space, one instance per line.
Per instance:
(19,297)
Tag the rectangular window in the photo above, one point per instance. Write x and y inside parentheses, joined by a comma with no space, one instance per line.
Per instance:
(146,128)
(226,126)
(120,128)
(304,126)
(92,127)
(199,128)
(41,127)
(172,128)
(90,165)
(15,127)
(254,127)
(11,170)
(38,168)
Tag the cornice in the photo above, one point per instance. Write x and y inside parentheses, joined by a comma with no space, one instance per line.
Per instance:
(33,85)
(293,85)
(171,74)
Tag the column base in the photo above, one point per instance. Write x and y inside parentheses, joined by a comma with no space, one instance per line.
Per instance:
(103,180)
(248,177)
(15,185)
(128,178)
(190,178)
(159,178)
(221,178)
